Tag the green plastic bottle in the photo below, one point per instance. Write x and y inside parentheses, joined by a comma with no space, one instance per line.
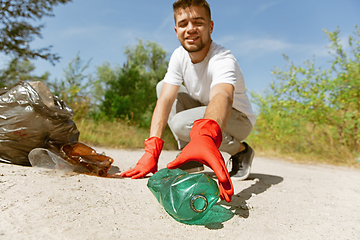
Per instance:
(186,197)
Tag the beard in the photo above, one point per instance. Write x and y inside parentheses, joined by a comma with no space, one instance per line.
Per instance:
(194,48)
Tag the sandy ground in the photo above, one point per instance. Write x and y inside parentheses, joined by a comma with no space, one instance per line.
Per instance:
(280,200)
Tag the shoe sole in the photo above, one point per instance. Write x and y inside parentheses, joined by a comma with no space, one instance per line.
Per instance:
(240,178)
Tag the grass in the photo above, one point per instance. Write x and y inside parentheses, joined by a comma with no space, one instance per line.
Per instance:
(308,158)
(117,134)
(321,153)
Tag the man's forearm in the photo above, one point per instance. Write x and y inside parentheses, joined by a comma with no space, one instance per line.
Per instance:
(162,109)
(159,119)
(219,109)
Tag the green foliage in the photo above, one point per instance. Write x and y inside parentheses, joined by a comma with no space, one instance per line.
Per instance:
(314,111)
(75,88)
(127,96)
(19,70)
(130,91)
(16,32)
(149,58)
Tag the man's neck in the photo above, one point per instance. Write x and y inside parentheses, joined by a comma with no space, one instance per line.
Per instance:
(197,57)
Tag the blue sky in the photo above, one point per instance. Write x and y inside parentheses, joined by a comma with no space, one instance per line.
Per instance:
(257,32)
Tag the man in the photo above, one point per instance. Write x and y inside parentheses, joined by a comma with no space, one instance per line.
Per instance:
(211,111)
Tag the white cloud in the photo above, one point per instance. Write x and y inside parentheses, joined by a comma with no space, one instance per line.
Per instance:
(167,23)
(266,6)
(254,48)
(250,45)
(265,45)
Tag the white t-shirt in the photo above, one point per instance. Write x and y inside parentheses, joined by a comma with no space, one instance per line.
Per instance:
(219,66)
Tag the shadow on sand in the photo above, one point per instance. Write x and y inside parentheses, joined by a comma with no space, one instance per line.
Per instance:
(218,214)
(264,183)
(224,211)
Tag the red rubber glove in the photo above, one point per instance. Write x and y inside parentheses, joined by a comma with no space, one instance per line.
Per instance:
(149,161)
(206,138)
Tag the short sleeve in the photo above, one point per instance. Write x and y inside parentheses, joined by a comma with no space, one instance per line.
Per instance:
(224,70)
(174,72)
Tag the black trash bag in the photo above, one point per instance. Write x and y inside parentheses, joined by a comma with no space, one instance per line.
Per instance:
(32,117)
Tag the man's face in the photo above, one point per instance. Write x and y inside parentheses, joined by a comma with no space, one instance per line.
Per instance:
(193,28)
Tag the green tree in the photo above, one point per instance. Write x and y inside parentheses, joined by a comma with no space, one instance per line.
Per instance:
(346,97)
(130,91)
(314,111)
(127,97)
(19,70)
(76,87)
(16,32)
(149,58)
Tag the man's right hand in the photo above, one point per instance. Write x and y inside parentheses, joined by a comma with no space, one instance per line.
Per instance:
(206,137)
(149,161)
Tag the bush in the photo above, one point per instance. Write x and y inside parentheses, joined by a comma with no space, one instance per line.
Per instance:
(311,112)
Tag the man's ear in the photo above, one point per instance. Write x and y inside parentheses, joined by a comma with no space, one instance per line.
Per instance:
(175,29)
(211,26)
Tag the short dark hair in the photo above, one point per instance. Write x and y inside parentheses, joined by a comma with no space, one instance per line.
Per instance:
(183,4)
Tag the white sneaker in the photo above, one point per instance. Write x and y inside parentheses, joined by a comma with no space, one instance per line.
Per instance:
(241,163)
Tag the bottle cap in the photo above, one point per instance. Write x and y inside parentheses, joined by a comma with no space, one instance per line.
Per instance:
(201,203)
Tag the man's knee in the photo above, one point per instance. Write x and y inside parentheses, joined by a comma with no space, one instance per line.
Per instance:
(180,127)
(176,125)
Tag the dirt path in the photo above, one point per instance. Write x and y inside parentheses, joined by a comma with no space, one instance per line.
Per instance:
(280,200)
